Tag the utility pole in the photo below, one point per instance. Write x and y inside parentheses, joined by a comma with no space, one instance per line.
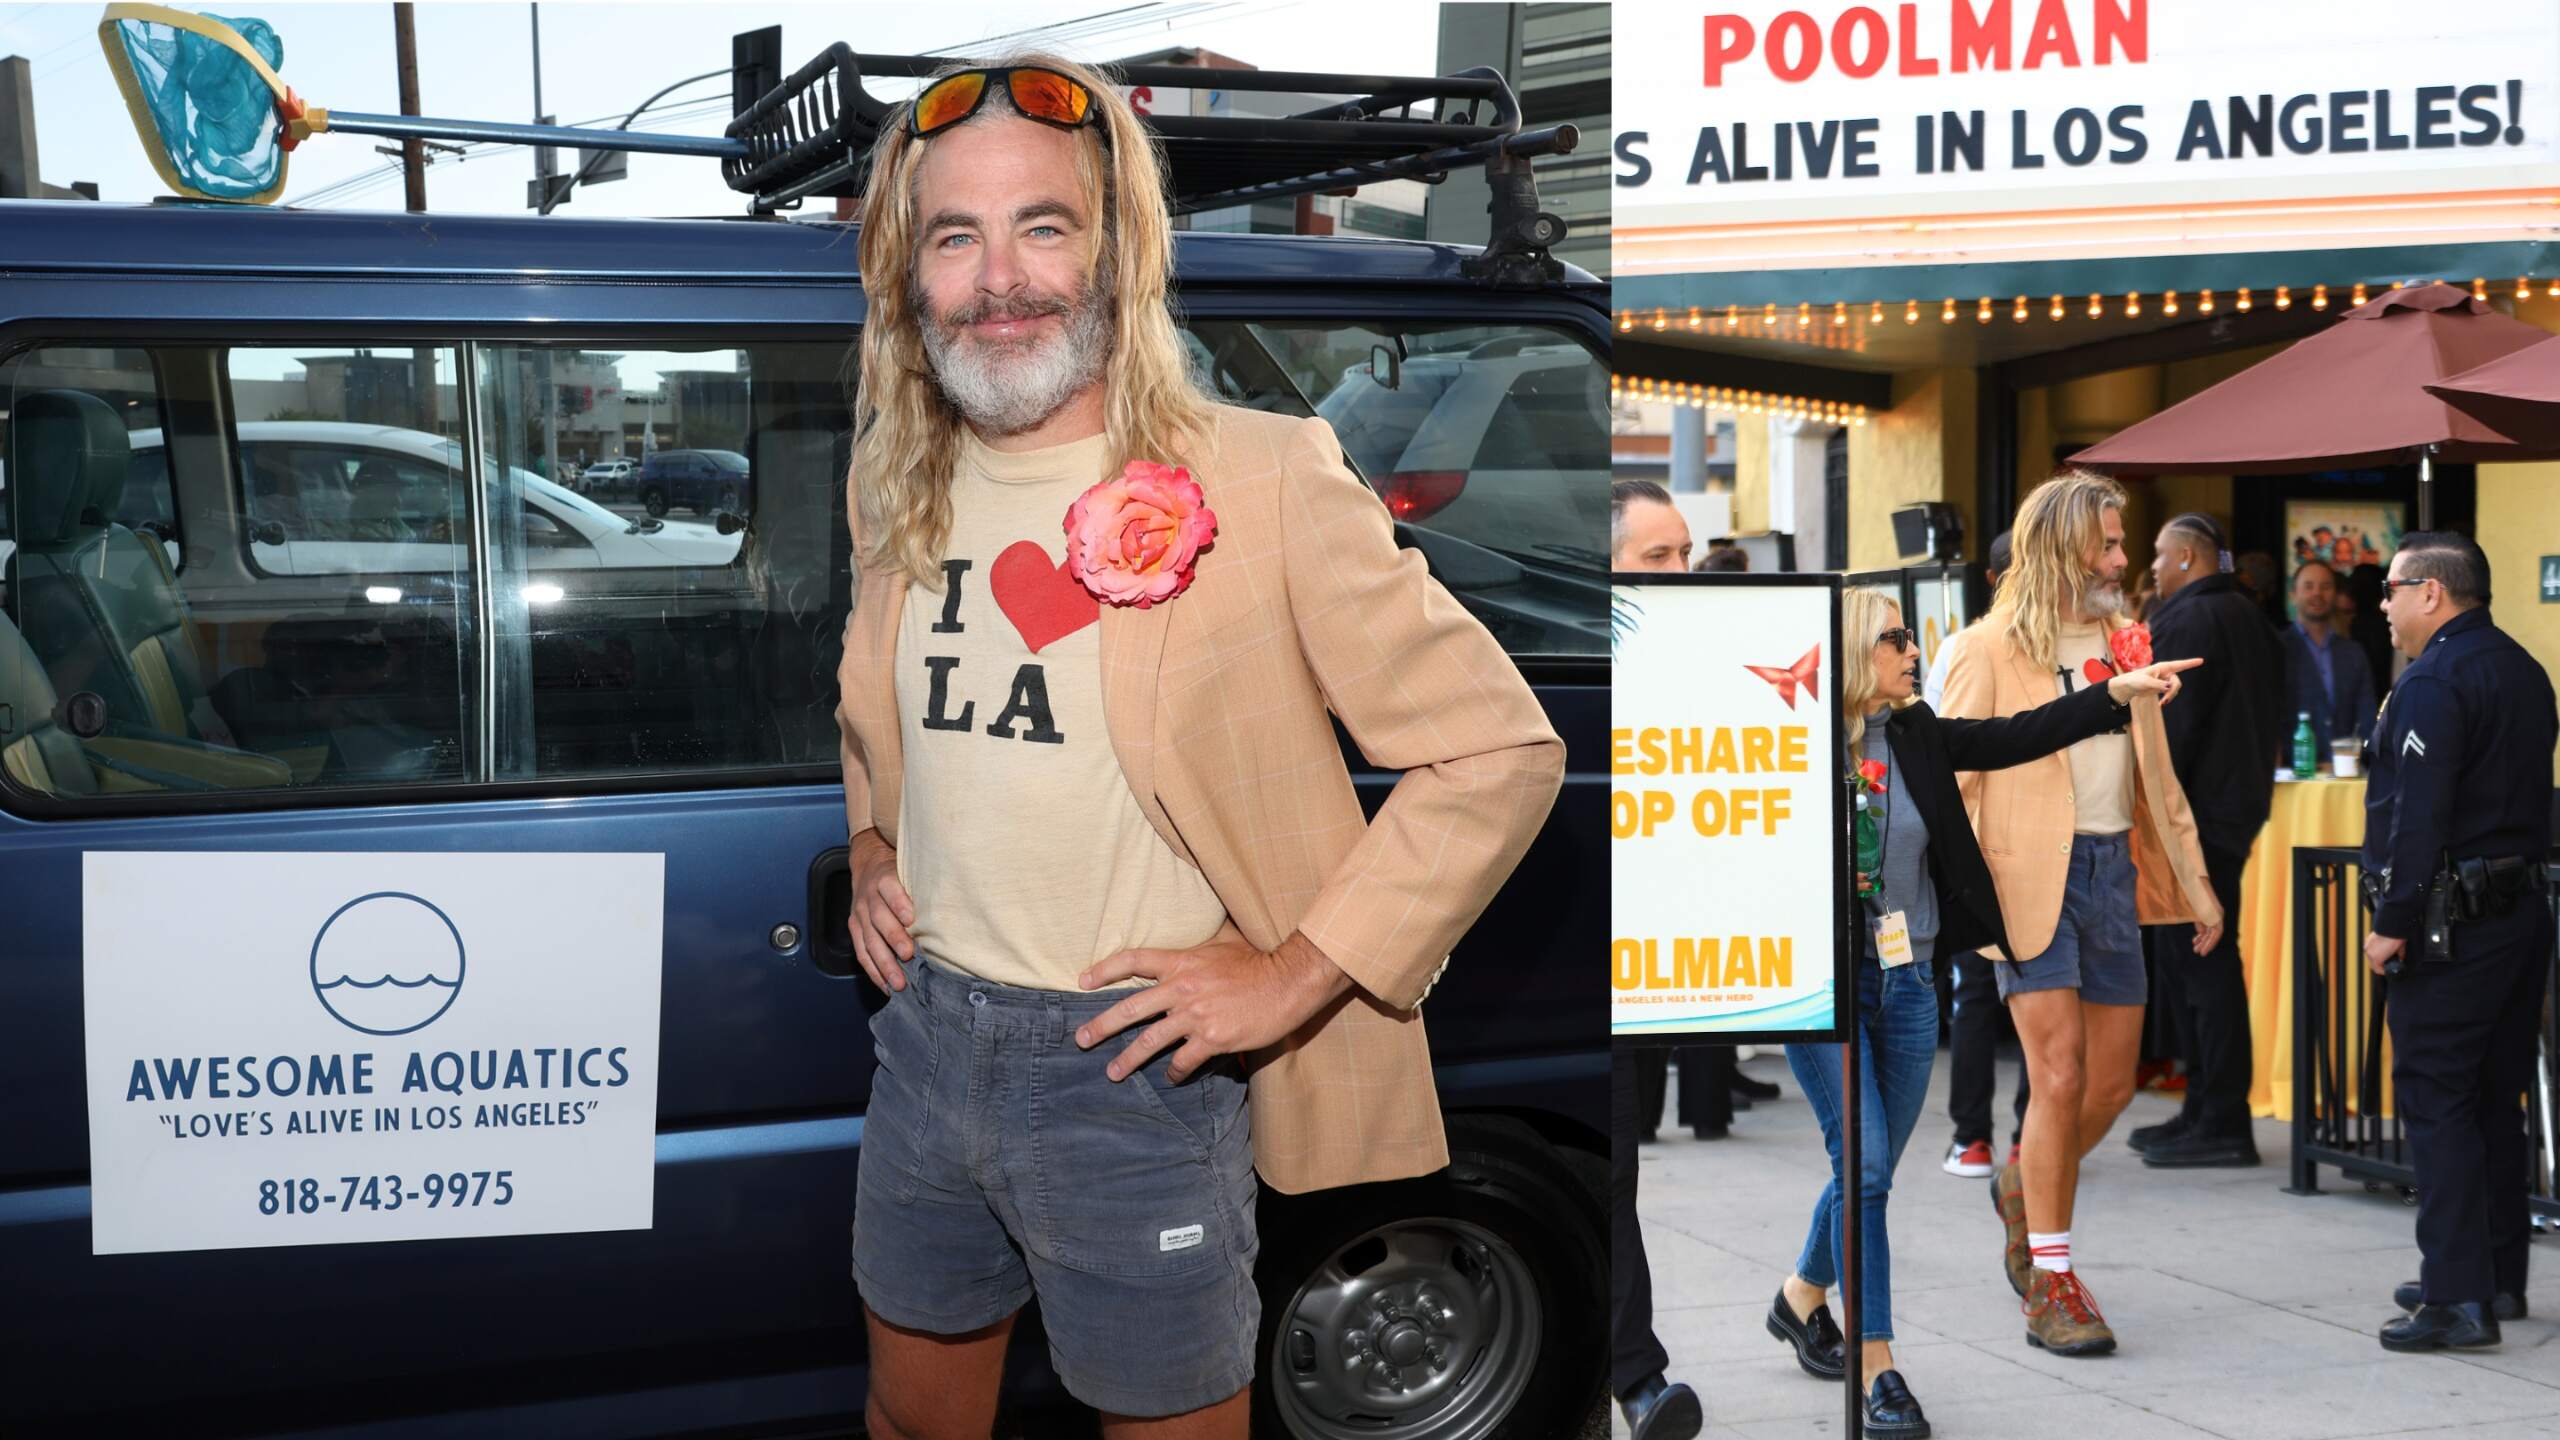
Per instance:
(550,391)
(413,152)
(413,162)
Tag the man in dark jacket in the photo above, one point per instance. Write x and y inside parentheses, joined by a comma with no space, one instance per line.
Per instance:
(2222,744)
(2325,673)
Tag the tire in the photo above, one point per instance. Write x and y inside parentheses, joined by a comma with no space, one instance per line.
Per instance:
(729,500)
(654,500)
(1509,1241)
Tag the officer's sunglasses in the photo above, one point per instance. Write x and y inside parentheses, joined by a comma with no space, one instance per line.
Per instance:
(1905,638)
(2390,585)
(1037,94)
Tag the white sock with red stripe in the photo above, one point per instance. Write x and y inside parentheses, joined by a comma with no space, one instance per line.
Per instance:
(2051,1252)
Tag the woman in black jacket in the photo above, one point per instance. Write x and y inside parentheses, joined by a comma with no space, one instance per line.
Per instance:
(1928,892)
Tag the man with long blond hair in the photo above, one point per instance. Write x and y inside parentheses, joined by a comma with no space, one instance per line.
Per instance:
(2084,847)
(1091,787)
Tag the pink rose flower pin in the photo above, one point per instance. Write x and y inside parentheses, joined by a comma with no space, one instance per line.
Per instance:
(2131,646)
(1132,540)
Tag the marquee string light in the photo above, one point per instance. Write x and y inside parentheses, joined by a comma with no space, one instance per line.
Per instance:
(1855,315)
(1738,400)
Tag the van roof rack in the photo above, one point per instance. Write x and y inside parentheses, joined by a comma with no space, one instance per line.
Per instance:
(812,135)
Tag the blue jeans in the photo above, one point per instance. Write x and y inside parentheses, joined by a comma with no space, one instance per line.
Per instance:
(1897,1035)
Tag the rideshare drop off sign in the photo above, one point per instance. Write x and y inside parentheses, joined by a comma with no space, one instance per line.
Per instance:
(1727,808)
(314,1049)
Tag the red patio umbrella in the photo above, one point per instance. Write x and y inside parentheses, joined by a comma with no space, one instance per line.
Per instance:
(2353,394)
(2517,394)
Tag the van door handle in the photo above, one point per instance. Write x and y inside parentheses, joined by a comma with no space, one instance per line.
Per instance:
(831,912)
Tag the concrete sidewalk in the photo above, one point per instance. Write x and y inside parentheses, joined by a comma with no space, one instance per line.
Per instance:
(2241,1311)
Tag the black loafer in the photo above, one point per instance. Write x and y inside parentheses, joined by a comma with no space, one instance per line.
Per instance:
(2467,1326)
(2150,1135)
(2505,1307)
(1659,1411)
(2194,1150)
(1816,1338)
(1746,1087)
(1891,1412)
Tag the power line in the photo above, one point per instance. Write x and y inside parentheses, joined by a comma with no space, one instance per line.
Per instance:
(1082,30)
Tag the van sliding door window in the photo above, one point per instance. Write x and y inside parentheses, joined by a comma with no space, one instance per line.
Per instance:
(668,557)
(220,574)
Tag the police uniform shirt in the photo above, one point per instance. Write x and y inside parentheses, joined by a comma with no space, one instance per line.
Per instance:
(2460,764)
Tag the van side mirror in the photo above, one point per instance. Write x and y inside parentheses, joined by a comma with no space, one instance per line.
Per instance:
(1384,367)
(728,522)
(267,532)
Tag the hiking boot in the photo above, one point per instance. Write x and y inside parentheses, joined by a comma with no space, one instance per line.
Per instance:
(2062,1318)
(2009,1198)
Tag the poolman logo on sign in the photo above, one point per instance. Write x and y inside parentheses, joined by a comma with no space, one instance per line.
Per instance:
(298,1049)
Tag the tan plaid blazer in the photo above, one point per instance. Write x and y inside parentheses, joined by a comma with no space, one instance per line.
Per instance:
(1216,703)
(2023,816)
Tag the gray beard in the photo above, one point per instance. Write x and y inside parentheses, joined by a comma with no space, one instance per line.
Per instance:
(2099,601)
(1008,388)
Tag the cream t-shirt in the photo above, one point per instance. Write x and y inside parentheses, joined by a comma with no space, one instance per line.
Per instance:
(1020,841)
(2102,766)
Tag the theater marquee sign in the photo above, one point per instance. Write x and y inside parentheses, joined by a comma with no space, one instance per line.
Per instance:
(1767,111)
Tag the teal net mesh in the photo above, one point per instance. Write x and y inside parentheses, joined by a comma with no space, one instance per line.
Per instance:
(216,119)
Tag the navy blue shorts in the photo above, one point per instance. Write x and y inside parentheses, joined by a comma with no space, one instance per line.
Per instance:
(999,1162)
(2097,944)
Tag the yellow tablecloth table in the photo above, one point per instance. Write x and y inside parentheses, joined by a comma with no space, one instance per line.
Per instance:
(2306,812)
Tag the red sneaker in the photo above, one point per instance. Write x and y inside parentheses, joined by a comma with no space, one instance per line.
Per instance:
(1970,1161)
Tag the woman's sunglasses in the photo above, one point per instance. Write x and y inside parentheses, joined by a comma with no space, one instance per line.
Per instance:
(1042,95)
(1905,638)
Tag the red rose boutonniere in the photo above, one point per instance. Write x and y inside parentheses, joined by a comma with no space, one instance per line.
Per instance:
(1132,540)
(2131,649)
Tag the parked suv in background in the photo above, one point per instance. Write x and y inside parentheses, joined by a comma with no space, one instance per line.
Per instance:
(698,480)
(604,476)
(394,651)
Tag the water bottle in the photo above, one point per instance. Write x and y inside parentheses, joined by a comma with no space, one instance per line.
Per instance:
(2306,747)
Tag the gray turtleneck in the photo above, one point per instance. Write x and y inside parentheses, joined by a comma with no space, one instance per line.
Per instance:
(1906,849)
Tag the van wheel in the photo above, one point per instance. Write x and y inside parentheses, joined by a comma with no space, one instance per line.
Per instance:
(655,501)
(1457,1306)
(729,499)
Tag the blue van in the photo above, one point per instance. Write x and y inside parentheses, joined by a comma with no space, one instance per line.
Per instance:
(287,573)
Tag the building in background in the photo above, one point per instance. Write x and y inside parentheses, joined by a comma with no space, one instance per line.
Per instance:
(1925,262)
(21,174)
(1388,209)
(1557,60)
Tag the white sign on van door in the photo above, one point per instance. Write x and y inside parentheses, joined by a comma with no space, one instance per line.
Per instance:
(319,1049)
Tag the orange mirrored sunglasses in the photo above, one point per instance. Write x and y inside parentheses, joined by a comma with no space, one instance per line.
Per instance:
(1042,95)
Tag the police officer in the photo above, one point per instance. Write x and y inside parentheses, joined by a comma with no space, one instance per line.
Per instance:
(2457,827)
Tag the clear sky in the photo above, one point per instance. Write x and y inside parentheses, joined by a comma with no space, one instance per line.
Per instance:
(600,59)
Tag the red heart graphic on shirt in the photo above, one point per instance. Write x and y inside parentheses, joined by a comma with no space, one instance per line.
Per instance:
(2098,671)
(1042,600)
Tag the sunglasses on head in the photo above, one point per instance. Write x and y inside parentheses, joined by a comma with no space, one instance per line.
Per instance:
(1042,95)
(1905,638)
